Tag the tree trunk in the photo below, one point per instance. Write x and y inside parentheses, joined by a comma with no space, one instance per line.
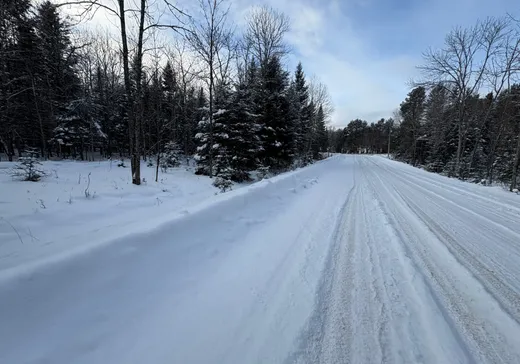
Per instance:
(135,167)
(157,167)
(40,121)
(137,122)
(210,156)
(515,166)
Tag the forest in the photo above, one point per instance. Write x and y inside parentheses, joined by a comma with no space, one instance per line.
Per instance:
(462,116)
(166,85)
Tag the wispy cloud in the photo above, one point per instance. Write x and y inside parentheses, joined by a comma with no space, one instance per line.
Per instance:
(366,51)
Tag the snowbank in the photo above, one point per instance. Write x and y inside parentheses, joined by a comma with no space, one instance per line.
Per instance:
(59,214)
(50,220)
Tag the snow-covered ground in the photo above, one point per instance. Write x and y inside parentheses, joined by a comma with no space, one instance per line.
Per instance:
(53,218)
(355,259)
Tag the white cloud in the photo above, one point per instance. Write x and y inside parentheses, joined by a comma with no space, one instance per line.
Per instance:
(367,78)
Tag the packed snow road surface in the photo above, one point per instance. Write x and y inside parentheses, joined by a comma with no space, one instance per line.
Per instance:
(352,260)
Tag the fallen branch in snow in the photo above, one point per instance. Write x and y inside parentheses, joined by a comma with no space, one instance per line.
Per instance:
(12,226)
(32,236)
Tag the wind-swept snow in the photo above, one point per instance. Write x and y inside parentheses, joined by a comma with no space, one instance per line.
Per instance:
(351,260)
(54,218)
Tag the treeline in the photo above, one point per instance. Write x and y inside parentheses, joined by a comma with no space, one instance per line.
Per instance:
(462,118)
(361,137)
(207,92)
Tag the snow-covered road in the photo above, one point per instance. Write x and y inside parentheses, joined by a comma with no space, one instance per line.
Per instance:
(352,260)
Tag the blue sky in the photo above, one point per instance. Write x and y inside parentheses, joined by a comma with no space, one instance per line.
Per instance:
(366,51)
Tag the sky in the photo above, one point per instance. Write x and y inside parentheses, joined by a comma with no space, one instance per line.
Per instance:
(367,51)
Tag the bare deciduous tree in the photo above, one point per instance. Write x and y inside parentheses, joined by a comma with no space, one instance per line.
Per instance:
(209,38)
(319,93)
(462,65)
(265,33)
(145,21)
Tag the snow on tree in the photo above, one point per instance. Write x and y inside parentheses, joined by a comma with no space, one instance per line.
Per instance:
(78,131)
(28,167)
(319,141)
(276,135)
(303,112)
(243,143)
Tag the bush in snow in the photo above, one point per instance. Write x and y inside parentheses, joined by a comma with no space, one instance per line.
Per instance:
(263,173)
(28,167)
(223,184)
(171,156)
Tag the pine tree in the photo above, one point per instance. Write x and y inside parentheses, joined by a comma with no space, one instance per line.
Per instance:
(307,120)
(412,110)
(221,132)
(243,142)
(436,126)
(303,112)
(28,167)
(54,78)
(202,137)
(320,134)
(190,115)
(171,102)
(78,131)
(275,134)
(17,45)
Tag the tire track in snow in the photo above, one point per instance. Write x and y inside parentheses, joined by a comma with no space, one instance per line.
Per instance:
(503,293)
(371,307)
(488,331)
(311,340)
(512,206)
(478,206)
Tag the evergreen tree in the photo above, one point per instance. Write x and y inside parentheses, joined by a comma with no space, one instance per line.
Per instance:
(77,131)
(275,134)
(202,137)
(243,143)
(17,54)
(436,126)
(320,134)
(303,114)
(307,120)
(171,102)
(221,132)
(55,80)
(412,110)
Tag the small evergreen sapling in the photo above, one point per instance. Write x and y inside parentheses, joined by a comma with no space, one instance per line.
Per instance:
(171,156)
(29,167)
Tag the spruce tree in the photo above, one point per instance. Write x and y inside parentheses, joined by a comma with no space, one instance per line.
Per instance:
(17,55)
(412,110)
(303,112)
(55,80)
(202,137)
(320,134)
(243,143)
(221,133)
(275,133)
